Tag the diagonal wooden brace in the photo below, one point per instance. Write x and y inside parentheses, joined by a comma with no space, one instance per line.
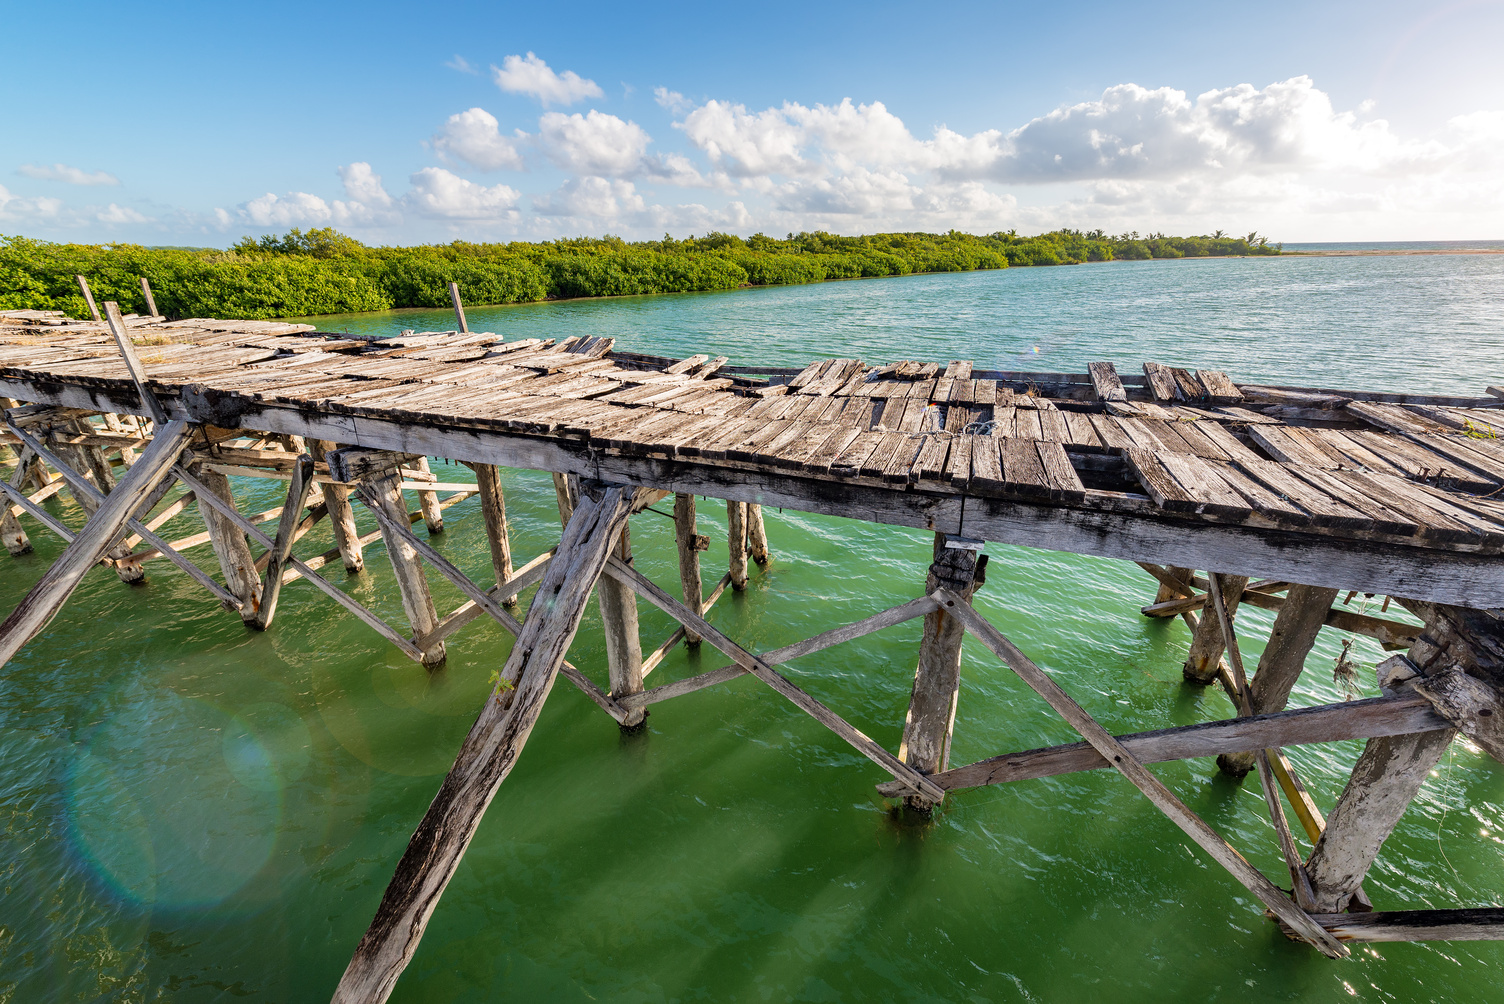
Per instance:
(102,530)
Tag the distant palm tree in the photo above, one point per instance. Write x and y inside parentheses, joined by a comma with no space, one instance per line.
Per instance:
(1219,235)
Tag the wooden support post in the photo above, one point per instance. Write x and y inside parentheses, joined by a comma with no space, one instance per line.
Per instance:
(1168,592)
(736,543)
(105,527)
(488,754)
(236,563)
(16,541)
(384,491)
(757,534)
(1207,644)
(90,462)
(1385,779)
(151,301)
(341,516)
(937,681)
(83,285)
(566,493)
(1295,629)
(493,507)
(623,637)
(459,308)
(287,524)
(112,422)
(428,502)
(690,544)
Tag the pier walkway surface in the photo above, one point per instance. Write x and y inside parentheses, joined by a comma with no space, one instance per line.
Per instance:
(1284,496)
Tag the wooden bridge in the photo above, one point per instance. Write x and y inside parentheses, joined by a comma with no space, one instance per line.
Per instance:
(1285,496)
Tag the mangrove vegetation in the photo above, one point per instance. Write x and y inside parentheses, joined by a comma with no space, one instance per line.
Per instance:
(322,271)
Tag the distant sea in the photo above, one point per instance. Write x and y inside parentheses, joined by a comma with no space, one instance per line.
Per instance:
(193,812)
(1398,246)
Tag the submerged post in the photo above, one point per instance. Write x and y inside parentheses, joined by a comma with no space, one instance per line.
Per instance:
(493,508)
(757,534)
(736,543)
(428,502)
(623,638)
(236,563)
(383,490)
(937,680)
(1207,644)
(341,515)
(690,543)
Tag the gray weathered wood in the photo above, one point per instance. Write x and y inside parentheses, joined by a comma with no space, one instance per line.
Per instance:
(383,493)
(428,501)
(1106,382)
(151,301)
(1152,788)
(1295,629)
(341,515)
(277,554)
(751,663)
(1470,705)
(132,363)
(493,508)
(236,563)
(757,534)
(83,285)
(1384,781)
(488,753)
(623,635)
(936,691)
(206,497)
(689,544)
(1207,644)
(468,611)
(1377,716)
(565,496)
(459,308)
(1476,924)
(104,528)
(736,543)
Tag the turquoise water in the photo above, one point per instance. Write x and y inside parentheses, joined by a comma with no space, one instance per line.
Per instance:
(193,812)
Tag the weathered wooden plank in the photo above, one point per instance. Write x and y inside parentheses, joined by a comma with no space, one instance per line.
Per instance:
(1160,381)
(1105,382)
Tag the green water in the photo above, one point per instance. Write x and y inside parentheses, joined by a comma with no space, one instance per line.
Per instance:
(193,812)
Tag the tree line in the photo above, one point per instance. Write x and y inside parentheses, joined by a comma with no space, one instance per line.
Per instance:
(321,271)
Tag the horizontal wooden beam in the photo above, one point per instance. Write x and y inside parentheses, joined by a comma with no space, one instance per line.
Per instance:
(1476,924)
(1377,716)
(1119,526)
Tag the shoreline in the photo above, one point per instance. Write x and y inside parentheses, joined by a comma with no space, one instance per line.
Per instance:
(1386,252)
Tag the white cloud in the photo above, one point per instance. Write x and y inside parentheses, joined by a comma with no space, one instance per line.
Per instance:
(592,198)
(857,192)
(460,63)
(121,214)
(593,143)
(474,137)
(438,193)
(71,175)
(672,100)
(532,76)
(295,209)
(746,144)
(17,208)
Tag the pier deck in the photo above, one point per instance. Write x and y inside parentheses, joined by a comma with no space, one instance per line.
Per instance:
(1313,490)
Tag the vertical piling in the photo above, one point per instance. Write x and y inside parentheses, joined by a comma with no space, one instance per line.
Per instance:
(236,563)
(292,510)
(757,534)
(1295,629)
(493,507)
(385,490)
(736,543)
(428,502)
(565,494)
(690,544)
(1207,644)
(937,680)
(623,639)
(341,515)
(11,533)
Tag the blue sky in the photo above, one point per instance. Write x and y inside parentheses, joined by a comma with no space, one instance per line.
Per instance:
(196,124)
